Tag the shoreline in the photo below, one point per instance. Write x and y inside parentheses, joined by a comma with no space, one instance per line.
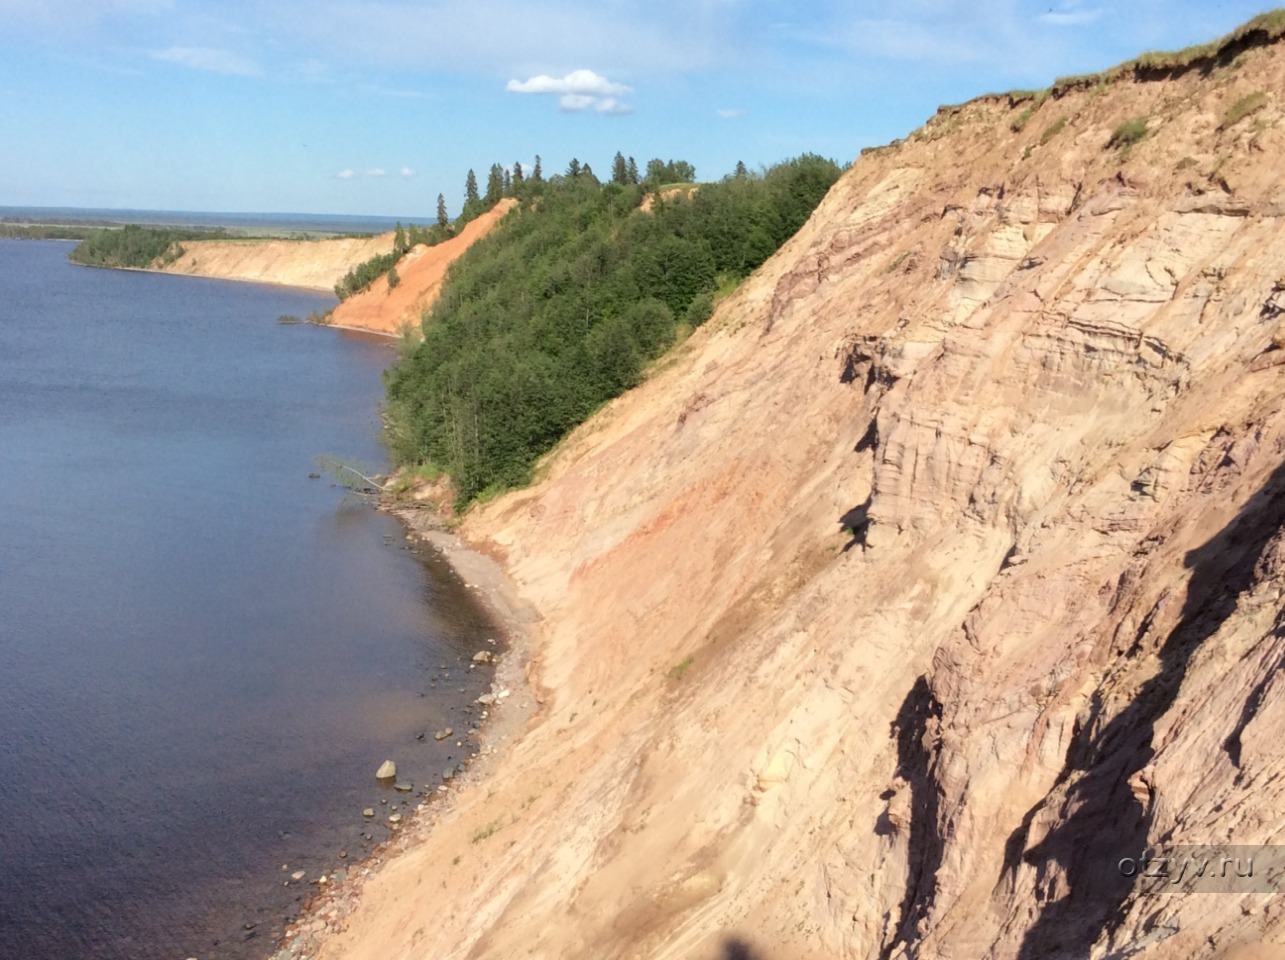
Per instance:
(496,593)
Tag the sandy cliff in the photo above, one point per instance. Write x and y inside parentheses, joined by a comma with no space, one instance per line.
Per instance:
(941,570)
(298,263)
(420,273)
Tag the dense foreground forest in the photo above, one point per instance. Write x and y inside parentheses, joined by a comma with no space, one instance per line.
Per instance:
(563,306)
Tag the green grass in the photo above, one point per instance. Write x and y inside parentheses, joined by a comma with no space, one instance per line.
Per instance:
(485,831)
(1244,107)
(1128,133)
(1053,129)
(679,670)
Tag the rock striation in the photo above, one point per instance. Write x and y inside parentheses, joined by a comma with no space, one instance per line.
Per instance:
(939,572)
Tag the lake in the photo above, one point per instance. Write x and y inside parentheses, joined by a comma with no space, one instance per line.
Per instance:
(204,653)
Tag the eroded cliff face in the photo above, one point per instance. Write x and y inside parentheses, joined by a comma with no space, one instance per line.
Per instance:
(317,264)
(941,570)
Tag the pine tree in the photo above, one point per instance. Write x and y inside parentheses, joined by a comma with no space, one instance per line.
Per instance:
(508,183)
(632,170)
(741,172)
(443,220)
(536,175)
(494,185)
(517,178)
(399,240)
(619,169)
(573,168)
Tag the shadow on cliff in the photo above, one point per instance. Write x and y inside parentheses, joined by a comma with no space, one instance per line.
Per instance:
(1101,819)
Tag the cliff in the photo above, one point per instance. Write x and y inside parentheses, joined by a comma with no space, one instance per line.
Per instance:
(420,272)
(941,570)
(317,264)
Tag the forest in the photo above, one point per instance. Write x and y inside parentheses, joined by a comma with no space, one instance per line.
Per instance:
(563,306)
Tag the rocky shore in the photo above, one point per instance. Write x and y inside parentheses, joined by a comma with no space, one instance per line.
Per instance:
(508,707)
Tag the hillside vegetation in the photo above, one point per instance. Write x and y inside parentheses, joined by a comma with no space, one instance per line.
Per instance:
(135,246)
(563,306)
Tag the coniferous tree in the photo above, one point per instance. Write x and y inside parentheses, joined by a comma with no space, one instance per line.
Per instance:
(517,178)
(632,170)
(443,220)
(494,185)
(741,172)
(536,175)
(586,171)
(470,189)
(619,169)
(573,168)
(400,245)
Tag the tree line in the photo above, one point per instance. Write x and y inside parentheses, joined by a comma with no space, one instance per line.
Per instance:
(564,304)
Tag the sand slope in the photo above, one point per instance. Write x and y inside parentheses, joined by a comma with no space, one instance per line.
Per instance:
(421,272)
(939,571)
(318,264)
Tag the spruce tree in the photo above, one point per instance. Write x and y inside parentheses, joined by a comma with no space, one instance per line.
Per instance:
(632,170)
(517,178)
(573,168)
(536,175)
(443,220)
(470,189)
(741,172)
(494,185)
(619,169)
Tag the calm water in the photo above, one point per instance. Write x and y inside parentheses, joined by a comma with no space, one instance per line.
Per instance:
(204,655)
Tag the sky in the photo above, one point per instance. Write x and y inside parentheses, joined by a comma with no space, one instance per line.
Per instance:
(374,108)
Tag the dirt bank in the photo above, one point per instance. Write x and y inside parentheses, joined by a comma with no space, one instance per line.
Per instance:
(316,264)
(421,272)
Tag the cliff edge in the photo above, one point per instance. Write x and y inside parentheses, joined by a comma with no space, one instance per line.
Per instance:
(938,573)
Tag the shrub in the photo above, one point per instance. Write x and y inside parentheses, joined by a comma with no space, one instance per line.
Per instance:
(1053,129)
(1244,107)
(1128,133)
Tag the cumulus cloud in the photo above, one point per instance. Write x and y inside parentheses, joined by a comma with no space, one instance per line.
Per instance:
(575,82)
(578,90)
(211,59)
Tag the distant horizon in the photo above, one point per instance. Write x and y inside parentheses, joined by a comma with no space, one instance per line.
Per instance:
(197,218)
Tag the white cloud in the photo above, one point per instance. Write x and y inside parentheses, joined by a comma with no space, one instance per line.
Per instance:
(578,90)
(731,114)
(613,107)
(407,171)
(375,172)
(210,59)
(345,174)
(577,82)
(575,101)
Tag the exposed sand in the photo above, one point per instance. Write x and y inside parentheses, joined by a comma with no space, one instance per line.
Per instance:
(421,272)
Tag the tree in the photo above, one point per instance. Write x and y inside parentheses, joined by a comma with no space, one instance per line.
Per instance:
(443,220)
(573,168)
(400,245)
(393,278)
(632,170)
(619,169)
(517,178)
(536,175)
(494,185)
(741,172)
(508,183)
(470,189)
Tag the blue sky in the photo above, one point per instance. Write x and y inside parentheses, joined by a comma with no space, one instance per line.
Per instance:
(337,106)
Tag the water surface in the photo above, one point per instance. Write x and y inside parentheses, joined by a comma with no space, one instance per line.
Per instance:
(204,654)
